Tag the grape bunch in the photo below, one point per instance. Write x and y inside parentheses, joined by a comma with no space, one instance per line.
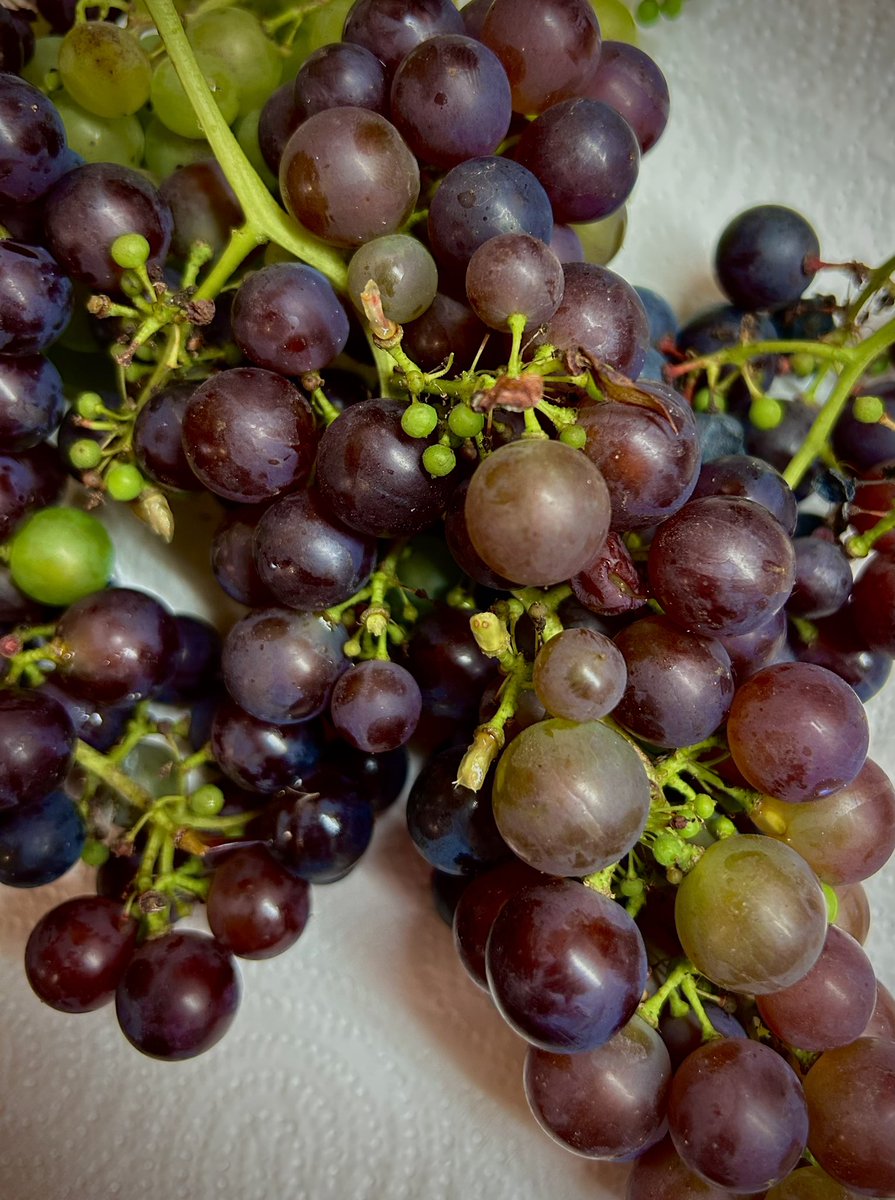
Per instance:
(340,275)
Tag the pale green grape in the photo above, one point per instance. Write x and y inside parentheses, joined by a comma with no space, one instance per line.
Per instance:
(602,240)
(104,69)
(247,136)
(165,150)
(101,139)
(44,60)
(617,23)
(404,270)
(235,40)
(319,28)
(173,108)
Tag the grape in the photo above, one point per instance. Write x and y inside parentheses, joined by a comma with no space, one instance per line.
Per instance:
(586,156)
(537,511)
(660,1174)
(854,911)
(663,324)
(29,480)
(629,81)
(37,741)
(450,100)
(308,559)
(322,834)
(446,328)
(376,706)
(750,652)
(566,966)
(579,675)
(248,434)
(178,995)
(846,836)
(165,151)
(683,1035)
(40,841)
(831,1005)
(724,325)
(101,139)
(566,244)
(31,401)
(865,446)
(514,274)
(447,664)
(611,584)
(203,205)
(873,603)
(751,915)
(104,69)
(33,150)
(882,1023)
(347,175)
(390,29)
(874,498)
(59,555)
(256,908)
(679,685)
(607,1103)
(158,444)
(838,646)
(823,578)
(235,38)
(797,731)
(197,664)
(35,300)
(550,50)
(570,799)
(404,271)
(78,951)
(171,105)
(766,256)
(752,479)
(340,75)
(232,557)
(277,121)
(808,1183)
(844,1088)
(281,666)
(737,1114)
(259,755)
(379,778)
(476,910)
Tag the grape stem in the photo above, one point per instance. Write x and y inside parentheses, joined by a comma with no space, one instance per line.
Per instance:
(265,220)
(101,766)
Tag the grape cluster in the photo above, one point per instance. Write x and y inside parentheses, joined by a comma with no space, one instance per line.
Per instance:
(595,566)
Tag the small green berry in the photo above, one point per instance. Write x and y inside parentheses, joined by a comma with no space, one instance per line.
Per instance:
(832,902)
(84,454)
(574,436)
(722,827)
(89,405)
(879,366)
(631,887)
(648,12)
(666,849)
(672,8)
(439,460)
(702,401)
(868,409)
(61,554)
(207,801)
(124,482)
(766,412)
(803,364)
(419,420)
(131,250)
(704,806)
(94,853)
(465,422)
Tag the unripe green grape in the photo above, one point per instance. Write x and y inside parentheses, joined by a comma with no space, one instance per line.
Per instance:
(722,827)
(89,405)
(803,364)
(602,240)
(124,482)
(439,460)
(574,436)
(868,409)
(702,401)
(84,454)
(130,250)
(704,806)
(207,801)
(419,420)
(648,12)
(666,849)
(105,69)
(170,102)
(165,151)
(766,412)
(465,422)
(43,62)
(61,554)
(101,139)
(94,853)
(616,22)
(236,40)
(319,27)
(672,8)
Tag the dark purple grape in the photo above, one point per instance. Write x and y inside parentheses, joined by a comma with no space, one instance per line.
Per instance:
(566,244)
(197,663)
(586,156)
(390,29)
(611,585)
(203,206)
(379,778)
(753,479)
(600,319)
(12,52)
(479,199)
(15,607)
(446,328)
(450,100)
(865,446)
(35,299)
(278,121)
(778,445)
(767,256)
(737,1114)
(447,664)
(721,566)
(376,706)
(233,557)
(319,835)
(371,474)
(347,175)
(467,558)
(683,1035)
(248,434)
(178,995)
(31,401)
(256,908)
(823,578)
(629,81)
(158,441)
(261,756)
(92,206)
(120,646)
(723,326)
(99,725)
(663,324)
(514,274)
(29,480)
(40,841)
(679,687)
(761,647)
(37,741)
(873,604)
(550,50)
(78,951)
(566,966)
(451,826)
(281,666)
(477,909)
(838,646)
(287,318)
(661,1174)
(339,75)
(33,150)
(306,557)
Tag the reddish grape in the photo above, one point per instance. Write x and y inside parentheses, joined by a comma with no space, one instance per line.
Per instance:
(340,75)
(78,951)
(390,29)
(629,81)
(37,741)
(514,274)
(376,706)
(579,675)
(477,908)
(256,908)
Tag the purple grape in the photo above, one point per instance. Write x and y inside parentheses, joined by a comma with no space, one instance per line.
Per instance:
(233,559)
(197,663)
(753,479)
(823,579)
(35,299)
(447,664)
(31,401)
(838,646)
(514,274)
(376,706)
(446,328)
(319,835)
(477,908)
(873,604)
(78,951)
(158,439)
(261,756)
(29,480)
(256,908)
(37,741)
(33,150)
(611,585)
(40,841)
(341,75)
(99,725)
(629,81)
(279,119)
(767,256)
(390,29)
(203,206)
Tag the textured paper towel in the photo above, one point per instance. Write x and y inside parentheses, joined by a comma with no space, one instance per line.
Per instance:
(364,1065)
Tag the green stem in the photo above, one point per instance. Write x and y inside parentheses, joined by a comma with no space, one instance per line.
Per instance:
(688,987)
(860,545)
(263,214)
(99,765)
(877,278)
(242,242)
(650,1009)
(516,323)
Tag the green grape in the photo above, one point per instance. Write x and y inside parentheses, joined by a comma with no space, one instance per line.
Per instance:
(124,482)
(439,460)
(247,136)
(616,22)
(648,12)
(574,436)
(84,454)
(602,240)
(803,364)
(207,801)
(61,554)
(318,28)
(465,422)
(44,64)
(170,102)
(235,40)
(868,409)
(105,69)
(101,139)
(672,8)
(419,420)
(89,405)
(766,412)
(95,853)
(165,150)
(130,250)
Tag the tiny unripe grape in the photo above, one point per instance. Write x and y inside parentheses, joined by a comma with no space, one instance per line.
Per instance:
(130,251)
(94,853)
(574,436)
(439,460)
(803,364)
(766,412)
(84,454)
(207,801)
(124,482)
(465,422)
(868,409)
(88,405)
(419,420)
